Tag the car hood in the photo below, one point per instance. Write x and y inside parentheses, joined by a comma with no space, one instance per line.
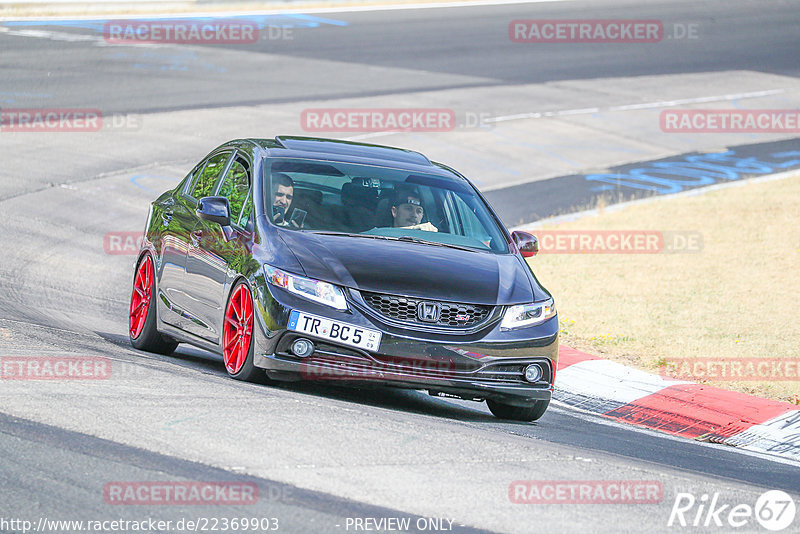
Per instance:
(412,269)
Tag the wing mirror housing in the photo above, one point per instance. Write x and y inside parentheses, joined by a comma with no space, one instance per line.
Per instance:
(526,243)
(214,209)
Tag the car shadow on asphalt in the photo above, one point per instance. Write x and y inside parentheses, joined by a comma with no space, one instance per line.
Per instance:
(409,401)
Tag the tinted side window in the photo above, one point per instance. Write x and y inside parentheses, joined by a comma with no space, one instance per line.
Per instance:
(188,182)
(236,186)
(474,223)
(246,220)
(204,183)
(469,222)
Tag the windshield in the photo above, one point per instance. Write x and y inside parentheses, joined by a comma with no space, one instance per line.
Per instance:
(345,198)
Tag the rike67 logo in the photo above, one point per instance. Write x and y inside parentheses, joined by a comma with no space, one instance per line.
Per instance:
(774,510)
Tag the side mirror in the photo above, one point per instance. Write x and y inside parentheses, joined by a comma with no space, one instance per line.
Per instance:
(527,243)
(214,209)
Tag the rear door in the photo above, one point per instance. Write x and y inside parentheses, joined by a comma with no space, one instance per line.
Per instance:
(173,221)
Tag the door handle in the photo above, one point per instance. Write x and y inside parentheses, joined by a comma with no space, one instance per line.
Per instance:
(196,237)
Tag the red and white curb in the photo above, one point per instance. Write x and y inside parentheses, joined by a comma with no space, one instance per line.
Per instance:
(676,407)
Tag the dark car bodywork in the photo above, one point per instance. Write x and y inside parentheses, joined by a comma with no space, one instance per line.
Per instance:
(386,281)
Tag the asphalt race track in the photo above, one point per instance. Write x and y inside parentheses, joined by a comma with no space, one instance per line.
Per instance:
(326,458)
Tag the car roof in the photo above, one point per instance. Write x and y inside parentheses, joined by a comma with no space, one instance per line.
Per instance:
(351,152)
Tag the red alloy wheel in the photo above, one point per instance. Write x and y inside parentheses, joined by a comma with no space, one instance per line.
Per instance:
(140,297)
(238,329)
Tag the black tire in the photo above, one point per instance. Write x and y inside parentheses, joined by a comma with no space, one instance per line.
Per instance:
(518,413)
(248,372)
(149,339)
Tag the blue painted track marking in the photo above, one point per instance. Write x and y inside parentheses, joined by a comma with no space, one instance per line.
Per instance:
(289,20)
(789,163)
(8,97)
(666,177)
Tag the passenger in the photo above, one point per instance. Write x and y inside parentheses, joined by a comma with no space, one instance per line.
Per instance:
(408,210)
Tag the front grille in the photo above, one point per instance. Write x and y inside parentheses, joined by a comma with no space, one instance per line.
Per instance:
(453,314)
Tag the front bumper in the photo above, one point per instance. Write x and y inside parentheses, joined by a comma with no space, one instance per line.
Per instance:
(488,363)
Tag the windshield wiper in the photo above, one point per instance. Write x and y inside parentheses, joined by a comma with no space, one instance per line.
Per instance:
(406,238)
(349,234)
(434,243)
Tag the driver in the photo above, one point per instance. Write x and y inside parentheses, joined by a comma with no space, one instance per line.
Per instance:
(283,188)
(283,193)
(408,210)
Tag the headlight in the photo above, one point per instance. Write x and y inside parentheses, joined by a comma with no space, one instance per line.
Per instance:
(528,314)
(321,292)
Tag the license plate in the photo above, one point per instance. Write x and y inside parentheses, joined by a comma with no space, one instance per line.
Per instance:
(345,333)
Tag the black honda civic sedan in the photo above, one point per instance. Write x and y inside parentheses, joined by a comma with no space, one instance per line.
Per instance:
(317,259)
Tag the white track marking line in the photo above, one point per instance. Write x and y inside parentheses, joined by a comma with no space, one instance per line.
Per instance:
(589,111)
(629,107)
(542,114)
(290,11)
(53,36)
